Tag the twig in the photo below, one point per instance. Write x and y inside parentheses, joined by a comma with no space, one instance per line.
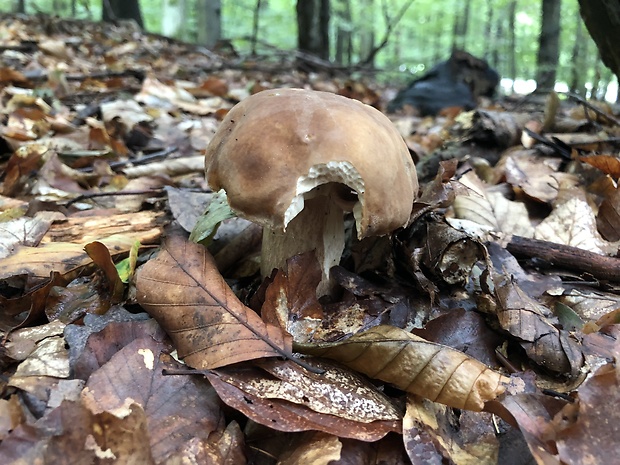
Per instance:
(117,165)
(93,195)
(566,256)
(388,31)
(588,105)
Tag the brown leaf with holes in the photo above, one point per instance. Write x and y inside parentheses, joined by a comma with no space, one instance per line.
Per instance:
(183,290)
(415,365)
(285,396)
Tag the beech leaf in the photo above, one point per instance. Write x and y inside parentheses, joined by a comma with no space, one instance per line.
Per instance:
(415,365)
(183,290)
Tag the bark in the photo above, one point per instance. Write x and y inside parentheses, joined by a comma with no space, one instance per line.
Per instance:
(114,10)
(313,27)
(548,45)
(602,18)
(210,21)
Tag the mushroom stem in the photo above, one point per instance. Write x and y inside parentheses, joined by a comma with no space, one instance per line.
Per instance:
(320,227)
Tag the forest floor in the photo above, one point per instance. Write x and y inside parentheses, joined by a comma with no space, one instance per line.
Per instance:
(485,331)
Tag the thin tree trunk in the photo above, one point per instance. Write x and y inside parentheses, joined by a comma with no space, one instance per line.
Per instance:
(512,42)
(461,21)
(367,34)
(344,46)
(113,10)
(210,20)
(255,21)
(313,27)
(549,45)
(578,78)
(488,29)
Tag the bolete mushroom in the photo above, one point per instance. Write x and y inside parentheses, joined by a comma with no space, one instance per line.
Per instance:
(294,160)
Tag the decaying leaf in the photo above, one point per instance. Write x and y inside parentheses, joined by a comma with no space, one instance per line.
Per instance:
(415,365)
(526,319)
(572,222)
(591,418)
(286,397)
(103,437)
(178,408)
(430,435)
(183,290)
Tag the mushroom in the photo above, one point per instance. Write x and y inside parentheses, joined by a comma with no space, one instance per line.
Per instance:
(295,160)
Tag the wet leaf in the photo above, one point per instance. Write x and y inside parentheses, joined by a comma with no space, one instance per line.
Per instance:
(415,365)
(183,290)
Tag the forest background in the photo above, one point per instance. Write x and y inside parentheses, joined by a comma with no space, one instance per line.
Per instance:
(393,41)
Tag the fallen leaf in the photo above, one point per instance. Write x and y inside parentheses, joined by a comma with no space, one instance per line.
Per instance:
(183,290)
(526,319)
(415,365)
(177,408)
(286,397)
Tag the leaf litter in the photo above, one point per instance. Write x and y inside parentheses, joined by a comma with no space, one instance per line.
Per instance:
(495,309)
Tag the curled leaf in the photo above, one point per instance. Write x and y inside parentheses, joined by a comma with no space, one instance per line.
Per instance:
(183,290)
(415,365)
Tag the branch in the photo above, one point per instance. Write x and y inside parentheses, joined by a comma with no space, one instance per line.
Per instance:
(389,29)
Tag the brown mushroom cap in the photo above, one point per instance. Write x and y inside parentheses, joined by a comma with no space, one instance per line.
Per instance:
(277,145)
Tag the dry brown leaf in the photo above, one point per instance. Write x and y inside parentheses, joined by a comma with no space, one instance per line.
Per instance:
(588,431)
(572,222)
(72,434)
(100,255)
(415,365)
(177,408)
(526,319)
(38,262)
(608,216)
(608,164)
(183,290)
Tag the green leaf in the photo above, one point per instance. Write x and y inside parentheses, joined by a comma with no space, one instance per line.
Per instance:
(126,267)
(207,224)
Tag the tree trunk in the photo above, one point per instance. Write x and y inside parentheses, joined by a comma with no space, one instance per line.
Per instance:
(512,42)
(548,45)
(20,6)
(313,27)
(578,77)
(367,33)
(210,21)
(461,22)
(488,30)
(255,23)
(602,18)
(113,10)
(344,46)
